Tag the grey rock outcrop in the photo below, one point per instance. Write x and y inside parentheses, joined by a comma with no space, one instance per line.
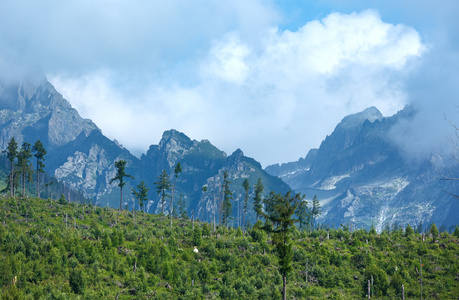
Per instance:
(363,178)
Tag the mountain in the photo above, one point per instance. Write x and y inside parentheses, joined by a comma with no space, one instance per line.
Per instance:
(364,178)
(79,155)
(203,165)
(77,151)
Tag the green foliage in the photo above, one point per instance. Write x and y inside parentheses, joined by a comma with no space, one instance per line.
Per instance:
(434,231)
(456,231)
(246,186)
(107,255)
(11,154)
(258,198)
(227,197)
(141,194)
(197,236)
(77,281)
(409,231)
(163,185)
(62,200)
(40,153)
(120,175)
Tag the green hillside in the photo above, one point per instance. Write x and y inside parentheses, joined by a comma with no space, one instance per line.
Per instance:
(68,251)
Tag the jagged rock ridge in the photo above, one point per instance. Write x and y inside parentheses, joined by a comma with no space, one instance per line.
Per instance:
(363,178)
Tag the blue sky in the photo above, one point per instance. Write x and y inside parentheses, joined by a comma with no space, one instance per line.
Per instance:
(270,77)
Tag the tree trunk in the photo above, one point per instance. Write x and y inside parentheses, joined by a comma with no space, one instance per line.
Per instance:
(12,180)
(23,185)
(38,182)
(121,200)
(284,287)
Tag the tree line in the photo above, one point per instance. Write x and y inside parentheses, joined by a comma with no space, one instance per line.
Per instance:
(21,168)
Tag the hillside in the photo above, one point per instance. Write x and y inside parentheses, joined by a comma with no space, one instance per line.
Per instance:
(70,251)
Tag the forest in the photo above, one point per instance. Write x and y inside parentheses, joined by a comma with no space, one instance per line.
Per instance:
(58,250)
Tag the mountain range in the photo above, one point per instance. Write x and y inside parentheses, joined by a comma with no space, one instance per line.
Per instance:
(79,155)
(359,173)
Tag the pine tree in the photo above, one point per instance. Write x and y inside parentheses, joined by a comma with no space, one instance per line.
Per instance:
(177,171)
(246,186)
(316,209)
(282,217)
(227,197)
(12,153)
(258,199)
(120,175)
(23,165)
(434,232)
(162,186)
(141,194)
(302,212)
(40,153)
(182,207)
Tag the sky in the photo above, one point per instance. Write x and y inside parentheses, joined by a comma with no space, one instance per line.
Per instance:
(272,78)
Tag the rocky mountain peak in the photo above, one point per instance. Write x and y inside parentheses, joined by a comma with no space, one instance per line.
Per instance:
(32,109)
(356,120)
(174,145)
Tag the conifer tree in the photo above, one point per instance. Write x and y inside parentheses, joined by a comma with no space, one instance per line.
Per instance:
(12,153)
(23,165)
(177,171)
(40,153)
(120,175)
(227,197)
(246,186)
(434,232)
(282,217)
(316,209)
(182,207)
(258,199)
(162,186)
(141,194)
(302,212)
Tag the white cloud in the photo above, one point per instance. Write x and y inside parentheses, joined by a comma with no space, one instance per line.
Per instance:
(275,96)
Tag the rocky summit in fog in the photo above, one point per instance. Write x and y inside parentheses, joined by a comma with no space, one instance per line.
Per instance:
(363,178)
(83,158)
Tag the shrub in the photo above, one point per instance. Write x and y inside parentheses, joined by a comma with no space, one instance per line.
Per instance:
(77,282)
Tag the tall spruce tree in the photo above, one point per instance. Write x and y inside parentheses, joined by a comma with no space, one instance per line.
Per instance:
(40,153)
(258,198)
(162,186)
(246,186)
(120,175)
(282,217)
(12,153)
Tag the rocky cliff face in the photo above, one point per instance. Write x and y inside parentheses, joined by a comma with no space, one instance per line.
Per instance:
(34,109)
(362,178)
(202,165)
(77,152)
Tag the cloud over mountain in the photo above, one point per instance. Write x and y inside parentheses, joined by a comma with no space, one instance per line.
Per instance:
(230,72)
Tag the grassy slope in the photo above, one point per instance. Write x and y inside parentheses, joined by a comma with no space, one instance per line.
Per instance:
(97,259)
